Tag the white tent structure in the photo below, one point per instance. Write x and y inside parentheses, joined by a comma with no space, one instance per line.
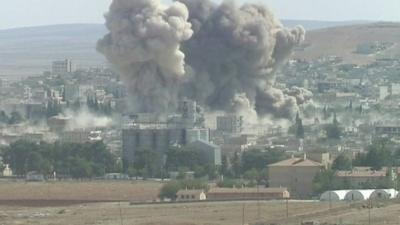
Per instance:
(384,194)
(358,195)
(337,195)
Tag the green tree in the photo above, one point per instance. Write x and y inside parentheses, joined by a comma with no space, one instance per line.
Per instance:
(81,168)
(3,117)
(300,129)
(169,190)
(333,131)
(236,165)
(323,181)
(259,159)
(67,159)
(378,155)
(342,163)
(147,161)
(15,118)
(185,157)
(252,175)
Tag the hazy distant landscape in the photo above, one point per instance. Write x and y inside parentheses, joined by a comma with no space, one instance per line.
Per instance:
(344,42)
(24,51)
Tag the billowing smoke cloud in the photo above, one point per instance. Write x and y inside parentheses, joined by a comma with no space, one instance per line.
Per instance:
(143,44)
(230,59)
(302,95)
(235,52)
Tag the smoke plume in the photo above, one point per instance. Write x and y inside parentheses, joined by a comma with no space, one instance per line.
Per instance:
(143,44)
(231,52)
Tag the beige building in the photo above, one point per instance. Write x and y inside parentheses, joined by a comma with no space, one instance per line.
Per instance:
(361,177)
(190,195)
(224,194)
(296,174)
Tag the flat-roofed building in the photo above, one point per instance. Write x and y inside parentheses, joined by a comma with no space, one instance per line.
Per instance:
(296,174)
(223,194)
(61,67)
(360,177)
(190,195)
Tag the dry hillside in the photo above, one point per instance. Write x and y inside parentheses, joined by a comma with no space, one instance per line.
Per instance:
(345,41)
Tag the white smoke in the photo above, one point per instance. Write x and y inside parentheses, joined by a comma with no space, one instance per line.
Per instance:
(84,119)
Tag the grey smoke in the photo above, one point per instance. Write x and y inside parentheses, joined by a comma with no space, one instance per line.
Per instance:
(232,54)
(144,45)
(302,95)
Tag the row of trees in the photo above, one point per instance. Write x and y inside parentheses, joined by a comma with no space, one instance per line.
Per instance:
(148,163)
(333,130)
(250,165)
(66,159)
(381,153)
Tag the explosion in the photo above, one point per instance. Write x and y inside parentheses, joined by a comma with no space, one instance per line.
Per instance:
(222,56)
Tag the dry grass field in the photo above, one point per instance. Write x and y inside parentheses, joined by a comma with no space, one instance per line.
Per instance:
(55,193)
(218,213)
(107,203)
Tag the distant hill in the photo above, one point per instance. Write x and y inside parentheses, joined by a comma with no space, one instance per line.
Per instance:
(24,51)
(358,44)
(311,25)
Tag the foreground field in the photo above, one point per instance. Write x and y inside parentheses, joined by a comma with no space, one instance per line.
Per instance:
(64,193)
(223,213)
(109,203)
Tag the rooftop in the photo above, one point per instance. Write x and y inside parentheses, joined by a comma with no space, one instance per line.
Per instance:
(247,190)
(296,162)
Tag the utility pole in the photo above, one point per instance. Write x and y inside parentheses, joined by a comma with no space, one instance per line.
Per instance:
(243,213)
(287,208)
(120,213)
(369,211)
(258,202)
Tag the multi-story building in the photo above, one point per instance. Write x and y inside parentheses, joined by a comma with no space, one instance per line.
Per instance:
(388,129)
(230,124)
(158,139)
(361,177)
(296,174)
(71,92)
(62,67)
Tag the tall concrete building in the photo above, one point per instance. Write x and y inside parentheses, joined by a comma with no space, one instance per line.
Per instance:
(159,133)
(158,139)
(71,92)
(230,124)
(61,67)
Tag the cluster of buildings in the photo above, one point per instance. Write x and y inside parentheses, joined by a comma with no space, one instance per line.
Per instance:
(363,98)
(159,134)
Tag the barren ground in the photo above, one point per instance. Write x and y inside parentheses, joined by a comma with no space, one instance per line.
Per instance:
(88,203)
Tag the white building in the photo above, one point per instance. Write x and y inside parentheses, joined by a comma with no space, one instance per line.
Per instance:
(7,172)
(383,92)
(337,195)
(395,89)
(190,195)
(384,194)
(359,195)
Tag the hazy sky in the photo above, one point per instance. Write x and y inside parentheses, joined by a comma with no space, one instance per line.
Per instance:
(22,13)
